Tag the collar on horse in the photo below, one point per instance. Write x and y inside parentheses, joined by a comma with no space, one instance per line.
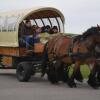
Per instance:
(79,38)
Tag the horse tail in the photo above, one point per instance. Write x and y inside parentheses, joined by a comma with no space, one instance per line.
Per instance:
(45,52)
(45,59)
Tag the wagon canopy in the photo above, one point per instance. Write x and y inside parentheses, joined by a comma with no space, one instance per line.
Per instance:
(9,22)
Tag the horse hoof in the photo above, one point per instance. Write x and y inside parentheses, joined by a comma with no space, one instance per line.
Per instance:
(93,85)
(72,85)
(99,84)
(96,87)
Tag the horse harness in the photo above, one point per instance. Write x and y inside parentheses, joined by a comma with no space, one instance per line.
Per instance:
(78,54)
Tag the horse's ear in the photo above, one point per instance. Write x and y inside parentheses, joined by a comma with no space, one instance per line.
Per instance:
(98,26)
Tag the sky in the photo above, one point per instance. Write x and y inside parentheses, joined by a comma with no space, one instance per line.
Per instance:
(79,14)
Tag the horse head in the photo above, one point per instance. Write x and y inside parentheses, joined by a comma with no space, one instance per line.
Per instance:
(88,41)
(94,33)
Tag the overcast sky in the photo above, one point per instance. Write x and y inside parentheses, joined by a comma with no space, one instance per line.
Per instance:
(79,14)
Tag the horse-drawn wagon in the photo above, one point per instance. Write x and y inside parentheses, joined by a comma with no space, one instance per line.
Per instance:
(14,51)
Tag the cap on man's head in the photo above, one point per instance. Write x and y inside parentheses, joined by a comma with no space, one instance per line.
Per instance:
(27,21)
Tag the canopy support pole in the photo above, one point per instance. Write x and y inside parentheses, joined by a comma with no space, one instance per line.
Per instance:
(42,22)
(58,24)
(50,22)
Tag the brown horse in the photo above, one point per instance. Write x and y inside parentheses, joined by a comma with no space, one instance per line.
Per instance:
(63,51)
(58,60)
(84,53)
(55,51)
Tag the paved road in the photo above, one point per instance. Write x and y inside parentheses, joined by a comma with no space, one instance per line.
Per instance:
(40,89)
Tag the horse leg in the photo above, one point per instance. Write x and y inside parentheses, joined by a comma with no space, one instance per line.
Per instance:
(92,78)
(63,72)
(98,77)
(44,60)
(53,72)
(98,74)
(78,76)
(71,81)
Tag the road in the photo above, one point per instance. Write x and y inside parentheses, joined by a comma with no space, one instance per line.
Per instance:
(40,89)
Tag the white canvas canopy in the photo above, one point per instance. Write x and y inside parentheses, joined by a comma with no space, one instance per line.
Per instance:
(9,22)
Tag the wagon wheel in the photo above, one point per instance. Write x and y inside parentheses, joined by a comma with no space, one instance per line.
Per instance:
(24,71)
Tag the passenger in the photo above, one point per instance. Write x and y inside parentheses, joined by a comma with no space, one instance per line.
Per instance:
(47,29)
(54,30)
(30,39)
(28,34)
(34,28)
(36,36)
(45,34)
(28,28)
(42,29)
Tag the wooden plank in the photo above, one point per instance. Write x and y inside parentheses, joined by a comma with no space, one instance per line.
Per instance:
(9,51)
(38,48)
(13,51)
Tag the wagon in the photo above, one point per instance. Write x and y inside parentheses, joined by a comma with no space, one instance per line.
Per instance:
(15,56)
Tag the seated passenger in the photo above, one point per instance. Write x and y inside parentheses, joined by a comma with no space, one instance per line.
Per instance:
(28,34)
(28,28)
(45,34)
(47,29)
(54,30)
(36,35)
(33,28)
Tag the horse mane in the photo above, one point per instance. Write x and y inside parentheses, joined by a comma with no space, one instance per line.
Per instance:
(91,32)
(77,38)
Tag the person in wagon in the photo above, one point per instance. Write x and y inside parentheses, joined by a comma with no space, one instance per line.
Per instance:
(25,34)
(28,33)
(54,30)
(47,29)
(28,28)
(36,35)
(45,33)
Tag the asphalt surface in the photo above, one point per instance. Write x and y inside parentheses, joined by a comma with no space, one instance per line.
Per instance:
(40,89)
